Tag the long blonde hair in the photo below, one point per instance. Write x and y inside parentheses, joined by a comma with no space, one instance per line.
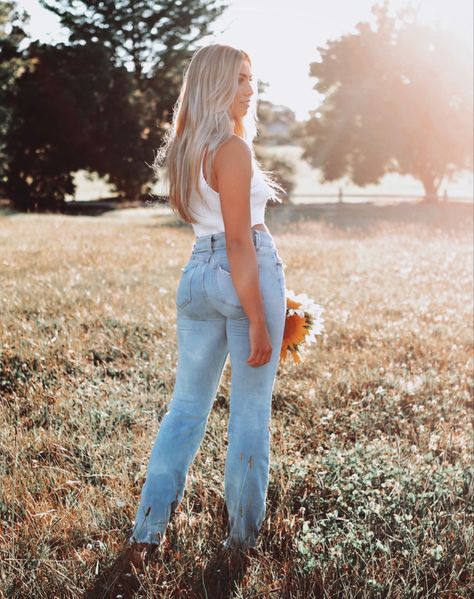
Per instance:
(202,121)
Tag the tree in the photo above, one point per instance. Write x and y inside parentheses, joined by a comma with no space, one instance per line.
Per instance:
(144,36)
(104,99)
(12,65)
(152,40)
(397,98)
(73,110)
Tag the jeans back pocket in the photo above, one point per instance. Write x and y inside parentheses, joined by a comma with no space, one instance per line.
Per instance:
(183,292)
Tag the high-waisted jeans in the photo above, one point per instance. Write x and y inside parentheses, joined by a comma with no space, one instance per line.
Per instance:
(211,324)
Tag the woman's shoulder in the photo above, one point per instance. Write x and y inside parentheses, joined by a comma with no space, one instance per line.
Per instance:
(233,150)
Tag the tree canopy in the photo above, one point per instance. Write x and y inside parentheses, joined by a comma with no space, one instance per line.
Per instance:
(148,38)
(397,98)
(102,101)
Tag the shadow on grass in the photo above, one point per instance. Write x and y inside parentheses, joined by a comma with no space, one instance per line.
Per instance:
(219,579)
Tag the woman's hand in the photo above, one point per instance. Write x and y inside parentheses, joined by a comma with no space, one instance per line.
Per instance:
(260,344)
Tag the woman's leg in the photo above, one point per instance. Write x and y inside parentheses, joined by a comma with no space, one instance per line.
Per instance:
(247,461)
(202,351)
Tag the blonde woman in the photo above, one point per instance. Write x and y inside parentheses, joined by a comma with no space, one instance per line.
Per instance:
(230,299)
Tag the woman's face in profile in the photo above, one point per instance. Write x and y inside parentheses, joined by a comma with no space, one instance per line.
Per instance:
(241,102)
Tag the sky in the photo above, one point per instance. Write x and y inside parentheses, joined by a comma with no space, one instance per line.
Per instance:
(282,36)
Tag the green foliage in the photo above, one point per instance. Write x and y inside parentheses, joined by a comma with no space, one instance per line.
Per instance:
(366,506)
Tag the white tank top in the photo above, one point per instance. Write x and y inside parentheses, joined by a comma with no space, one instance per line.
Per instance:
(210,219)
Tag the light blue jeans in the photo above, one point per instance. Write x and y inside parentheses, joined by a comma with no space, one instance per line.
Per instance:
(211,324)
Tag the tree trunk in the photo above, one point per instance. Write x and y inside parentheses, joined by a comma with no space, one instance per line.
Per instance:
(431,189)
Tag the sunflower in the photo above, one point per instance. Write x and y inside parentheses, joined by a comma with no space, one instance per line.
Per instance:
(303,321)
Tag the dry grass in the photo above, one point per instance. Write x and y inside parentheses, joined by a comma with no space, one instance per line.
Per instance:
(371,476)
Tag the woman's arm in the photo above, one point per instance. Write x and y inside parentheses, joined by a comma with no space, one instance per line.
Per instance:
(233,165)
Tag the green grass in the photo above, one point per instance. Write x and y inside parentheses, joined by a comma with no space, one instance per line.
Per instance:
(371,482)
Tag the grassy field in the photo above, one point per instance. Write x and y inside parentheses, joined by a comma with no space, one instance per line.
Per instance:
(371,482)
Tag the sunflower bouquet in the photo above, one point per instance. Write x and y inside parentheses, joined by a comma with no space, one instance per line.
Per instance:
(303,321)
